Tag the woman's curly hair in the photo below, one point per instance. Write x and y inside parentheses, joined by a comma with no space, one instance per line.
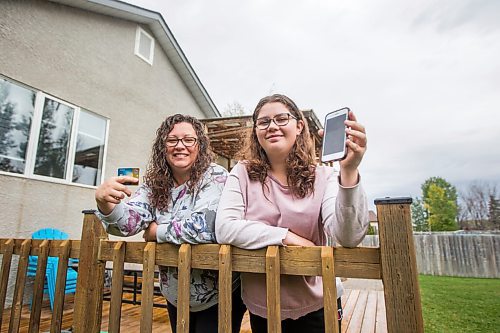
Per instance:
(159,177)
(300,161)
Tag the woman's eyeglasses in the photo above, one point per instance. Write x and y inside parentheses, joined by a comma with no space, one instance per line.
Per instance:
(281,119)
(187,141)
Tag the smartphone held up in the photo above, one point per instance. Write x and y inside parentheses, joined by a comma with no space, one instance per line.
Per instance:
(334,137)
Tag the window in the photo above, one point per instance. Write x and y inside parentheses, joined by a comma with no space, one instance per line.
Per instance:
(144,45)
(43,137)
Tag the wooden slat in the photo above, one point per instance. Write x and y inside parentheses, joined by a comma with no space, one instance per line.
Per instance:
(7,250)
(225,289)
(117,288)
(399,267)
(90,283)
(184,288)
(148,275)
(62,271)
(36,305)
(273,289)
(329,290)
(17,301)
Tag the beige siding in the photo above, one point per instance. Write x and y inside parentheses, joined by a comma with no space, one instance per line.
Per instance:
(88,60)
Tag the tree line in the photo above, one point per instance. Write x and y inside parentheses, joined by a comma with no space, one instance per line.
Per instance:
(442,208)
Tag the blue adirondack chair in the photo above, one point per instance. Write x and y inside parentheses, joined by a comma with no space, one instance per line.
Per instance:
(52,262)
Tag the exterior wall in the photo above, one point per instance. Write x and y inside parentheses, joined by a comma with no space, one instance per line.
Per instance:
(88,60)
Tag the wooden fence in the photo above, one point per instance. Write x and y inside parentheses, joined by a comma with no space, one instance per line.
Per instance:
(394,262)
(452,254)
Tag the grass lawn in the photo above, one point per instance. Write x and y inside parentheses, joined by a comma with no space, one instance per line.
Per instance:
(454,304)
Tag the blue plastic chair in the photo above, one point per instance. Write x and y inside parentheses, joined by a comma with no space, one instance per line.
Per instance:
(52,263)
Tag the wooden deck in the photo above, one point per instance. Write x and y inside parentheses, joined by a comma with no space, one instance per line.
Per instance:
(364,311)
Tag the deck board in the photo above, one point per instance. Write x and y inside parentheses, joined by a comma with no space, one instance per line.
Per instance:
(364,311)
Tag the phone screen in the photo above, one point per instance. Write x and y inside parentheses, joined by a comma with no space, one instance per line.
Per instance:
(335,132)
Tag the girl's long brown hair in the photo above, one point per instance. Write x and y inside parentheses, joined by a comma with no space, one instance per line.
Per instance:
(159,177)
(300,160)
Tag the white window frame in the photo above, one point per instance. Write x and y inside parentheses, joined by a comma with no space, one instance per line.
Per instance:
(32,147)
(141,32)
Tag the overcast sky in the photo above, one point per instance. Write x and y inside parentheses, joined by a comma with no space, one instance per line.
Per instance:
(422,76)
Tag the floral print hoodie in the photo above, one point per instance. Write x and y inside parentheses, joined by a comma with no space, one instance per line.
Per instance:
(189,218)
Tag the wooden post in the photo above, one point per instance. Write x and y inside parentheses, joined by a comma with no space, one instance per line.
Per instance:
(273,289)
(90,283)
(399,266)
(225,288)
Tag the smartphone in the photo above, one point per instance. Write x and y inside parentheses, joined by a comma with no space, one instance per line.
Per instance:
(132,172)
(334,137)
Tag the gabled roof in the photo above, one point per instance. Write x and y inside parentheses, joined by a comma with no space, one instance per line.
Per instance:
(155,22)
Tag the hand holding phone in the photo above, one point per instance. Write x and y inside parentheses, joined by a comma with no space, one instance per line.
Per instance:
(334,138)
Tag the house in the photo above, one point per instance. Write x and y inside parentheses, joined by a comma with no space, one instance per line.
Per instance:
(84,84)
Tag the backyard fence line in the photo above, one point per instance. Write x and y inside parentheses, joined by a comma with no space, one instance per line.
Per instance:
(449,254)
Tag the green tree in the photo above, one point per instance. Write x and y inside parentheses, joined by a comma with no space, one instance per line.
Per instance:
(442,210)
(494,212)
(419,215)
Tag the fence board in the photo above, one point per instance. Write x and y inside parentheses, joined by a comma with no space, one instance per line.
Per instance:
(273,289)
(148,276)
(62,271)
(115,306)
(225,289)
(184,288)
(7,249)
(17,302)
(36,305)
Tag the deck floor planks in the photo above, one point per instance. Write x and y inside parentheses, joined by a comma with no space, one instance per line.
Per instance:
(364,312)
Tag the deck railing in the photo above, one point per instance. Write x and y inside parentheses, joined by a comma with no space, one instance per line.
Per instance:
(394,262)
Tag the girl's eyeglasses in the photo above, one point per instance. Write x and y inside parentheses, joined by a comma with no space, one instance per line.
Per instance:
(281,119)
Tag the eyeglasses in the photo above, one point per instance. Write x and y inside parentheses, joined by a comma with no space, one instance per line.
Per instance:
(187,141)
(281,119)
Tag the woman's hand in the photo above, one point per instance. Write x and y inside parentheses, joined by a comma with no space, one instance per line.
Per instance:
(150,232)
(294,239)
(111,192)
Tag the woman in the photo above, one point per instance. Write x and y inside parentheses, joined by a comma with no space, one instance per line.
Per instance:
(278,196)
(176,204)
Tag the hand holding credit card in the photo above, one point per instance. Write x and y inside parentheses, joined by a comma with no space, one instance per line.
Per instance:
(131,172)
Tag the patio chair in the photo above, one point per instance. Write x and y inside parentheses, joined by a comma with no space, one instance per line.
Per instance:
(52,263)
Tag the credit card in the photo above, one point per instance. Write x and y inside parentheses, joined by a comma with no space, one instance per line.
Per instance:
(132,172)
